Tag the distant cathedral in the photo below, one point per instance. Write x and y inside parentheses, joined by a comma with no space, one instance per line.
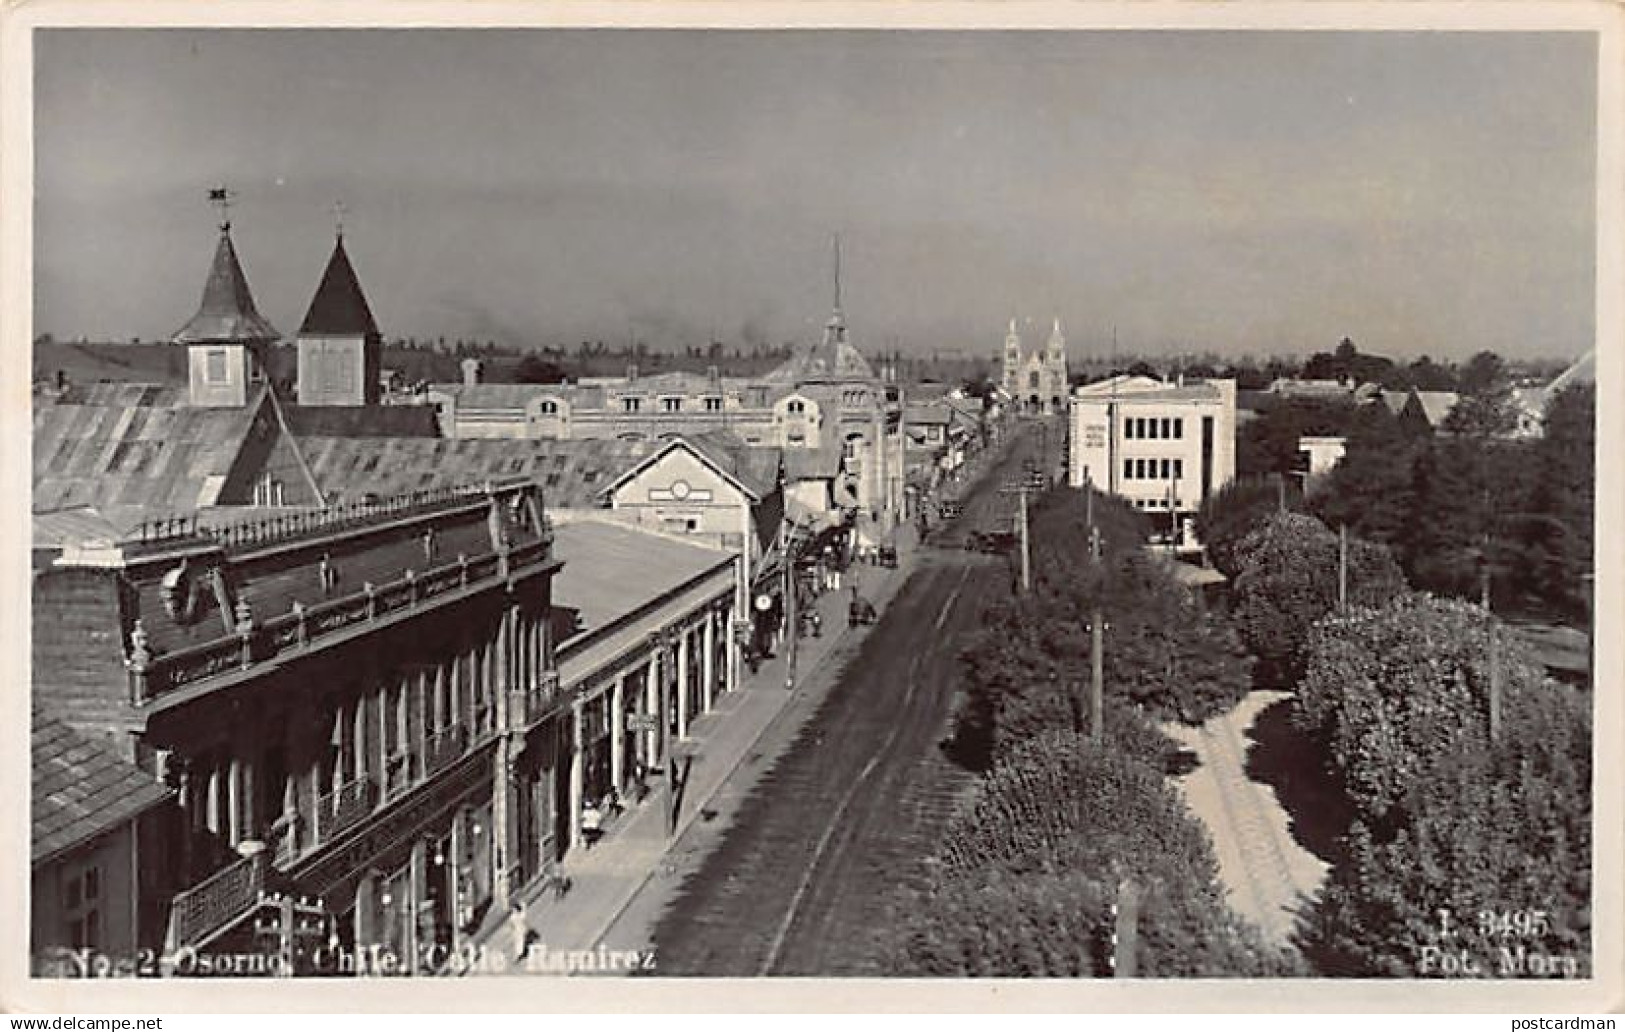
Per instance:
(1036,382)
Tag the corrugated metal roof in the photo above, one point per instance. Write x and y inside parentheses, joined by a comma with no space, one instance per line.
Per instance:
(571,473)
(611,570)
(111,457)
(81,788)
(339,308)
(227,313)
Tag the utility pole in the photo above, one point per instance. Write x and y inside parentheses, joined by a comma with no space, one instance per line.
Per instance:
(1097,654)
(1342,566)
(1126,930)
(1495,685)
(791,617)
(1026,550)
(1020,488)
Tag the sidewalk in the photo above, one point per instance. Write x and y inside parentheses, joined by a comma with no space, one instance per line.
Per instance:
(606,878)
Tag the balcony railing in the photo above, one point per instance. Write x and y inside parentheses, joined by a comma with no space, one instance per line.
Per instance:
(153,676)
(529,704)
(443,748)
(215,903)
(343,808)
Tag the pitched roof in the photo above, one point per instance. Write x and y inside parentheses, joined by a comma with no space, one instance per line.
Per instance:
(756,467)
(81,788)
(227,313)
(611,570)
(571,473)
(73,526)
(339,308)
(134,461)
(1584,370)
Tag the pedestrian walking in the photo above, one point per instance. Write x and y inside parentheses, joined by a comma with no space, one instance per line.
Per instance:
(592,824)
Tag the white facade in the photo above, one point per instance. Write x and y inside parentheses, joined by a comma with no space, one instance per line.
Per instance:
(1162,446)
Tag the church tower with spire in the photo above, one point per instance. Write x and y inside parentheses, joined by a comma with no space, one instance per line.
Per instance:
(227,338)
(340,348)
(1037,382)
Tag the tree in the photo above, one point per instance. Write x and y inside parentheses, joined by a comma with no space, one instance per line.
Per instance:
(1557,533)
(1230,514)
(1288,580)
(1269,443)
(1486,407)
(1369,491)
(1024,881)
(1447,818)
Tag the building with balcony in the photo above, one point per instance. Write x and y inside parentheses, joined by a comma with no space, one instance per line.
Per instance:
(1165,447)
(354,707)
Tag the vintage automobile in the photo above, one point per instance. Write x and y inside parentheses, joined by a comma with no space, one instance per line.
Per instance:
(861,611)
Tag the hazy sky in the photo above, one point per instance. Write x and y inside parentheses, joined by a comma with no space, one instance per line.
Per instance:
(1225,191)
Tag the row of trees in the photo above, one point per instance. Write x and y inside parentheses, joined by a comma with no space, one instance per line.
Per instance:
(1467,832)
(1027,878)
(1030,666)
(1452,506)
(1471,835)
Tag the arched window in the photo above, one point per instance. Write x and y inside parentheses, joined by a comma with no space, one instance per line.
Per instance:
(796,407)
(1032,379)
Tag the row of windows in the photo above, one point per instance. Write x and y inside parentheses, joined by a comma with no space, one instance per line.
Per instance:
(1153,469)
(1151,428)
(666,405)
(1152,503)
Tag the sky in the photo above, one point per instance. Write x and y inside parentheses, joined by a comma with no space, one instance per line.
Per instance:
(1265,192)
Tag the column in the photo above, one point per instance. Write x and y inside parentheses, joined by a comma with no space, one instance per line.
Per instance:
(708,662)
(360,730)
(417,892)
(577,770)
(235,831)
(502,831)
(454,873)
(734,659)
(214,823)
(652,709)
(617,732)
(366,908)
(682,681)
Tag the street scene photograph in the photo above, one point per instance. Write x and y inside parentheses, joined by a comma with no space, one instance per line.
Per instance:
(641,503)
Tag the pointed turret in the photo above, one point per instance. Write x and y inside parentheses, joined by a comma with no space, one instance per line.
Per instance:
(225,338)
(340,349)
(339,308)
(227,314)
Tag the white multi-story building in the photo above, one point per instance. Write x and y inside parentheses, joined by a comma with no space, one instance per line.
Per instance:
(1162,446)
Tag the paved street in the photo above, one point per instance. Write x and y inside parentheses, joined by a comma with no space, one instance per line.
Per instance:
(794,873)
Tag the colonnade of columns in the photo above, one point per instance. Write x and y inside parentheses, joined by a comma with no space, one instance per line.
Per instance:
(647,703)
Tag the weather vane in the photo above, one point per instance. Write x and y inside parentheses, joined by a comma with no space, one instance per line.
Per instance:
(338,217)
(222,198)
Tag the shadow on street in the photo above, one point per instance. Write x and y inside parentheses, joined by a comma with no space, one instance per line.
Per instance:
(1295,766)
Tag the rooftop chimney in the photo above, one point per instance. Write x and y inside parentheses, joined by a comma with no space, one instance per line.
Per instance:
(471,372)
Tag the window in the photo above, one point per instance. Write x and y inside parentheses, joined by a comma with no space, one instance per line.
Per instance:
(268,491)
(1128,429)
(1151,427)
(81,900)
(1128,469)
(713,404)
(796,407)
(671,404)
(1179,428)
(631,404)
(798,439)
(1167,428)
(214,366)
(1179,469)
(549,408)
